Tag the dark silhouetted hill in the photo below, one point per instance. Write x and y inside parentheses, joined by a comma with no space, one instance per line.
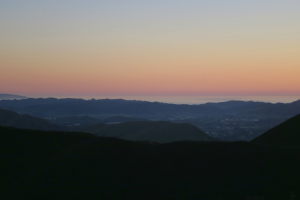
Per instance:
(136,131)
(65,165)
(12,119)
(154,131)
(285,134)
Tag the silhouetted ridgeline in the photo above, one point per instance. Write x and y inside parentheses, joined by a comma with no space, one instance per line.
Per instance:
(286,134)
(64,165)
(61,107)
(153,131)
(12,119)
(232,121)
(157,131)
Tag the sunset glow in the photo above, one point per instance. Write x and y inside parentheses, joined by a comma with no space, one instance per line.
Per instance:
(150,47)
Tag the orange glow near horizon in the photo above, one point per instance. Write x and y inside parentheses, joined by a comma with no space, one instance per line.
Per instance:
(242,54)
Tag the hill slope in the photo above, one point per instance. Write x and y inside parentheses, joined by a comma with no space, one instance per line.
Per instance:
(12,119)
(285,134)
(233,120)
(64,165)
(136,131)
(154,131)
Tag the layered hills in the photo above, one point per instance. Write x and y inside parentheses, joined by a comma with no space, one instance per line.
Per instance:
(13,119)
(231,121)
(153,131)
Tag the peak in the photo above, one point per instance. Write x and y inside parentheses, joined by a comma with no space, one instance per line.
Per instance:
(296,102)
(285,134)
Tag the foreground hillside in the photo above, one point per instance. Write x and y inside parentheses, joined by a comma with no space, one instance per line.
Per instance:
(286,134)
(64,165)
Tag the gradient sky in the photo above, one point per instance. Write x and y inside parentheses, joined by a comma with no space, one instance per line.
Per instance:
(157,47)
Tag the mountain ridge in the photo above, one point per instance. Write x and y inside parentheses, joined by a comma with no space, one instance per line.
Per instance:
(4,96)
(285,134)
(151,131)
(231,120)
(24,121)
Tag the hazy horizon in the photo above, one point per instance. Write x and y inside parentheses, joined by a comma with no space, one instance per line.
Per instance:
(182,99)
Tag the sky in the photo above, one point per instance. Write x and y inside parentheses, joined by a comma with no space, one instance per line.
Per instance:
(157,47)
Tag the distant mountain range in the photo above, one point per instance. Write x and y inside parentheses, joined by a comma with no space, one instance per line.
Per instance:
(51,107)
(11,96)
(233,120)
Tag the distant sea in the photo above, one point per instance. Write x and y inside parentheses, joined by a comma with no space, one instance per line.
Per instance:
(203,99)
